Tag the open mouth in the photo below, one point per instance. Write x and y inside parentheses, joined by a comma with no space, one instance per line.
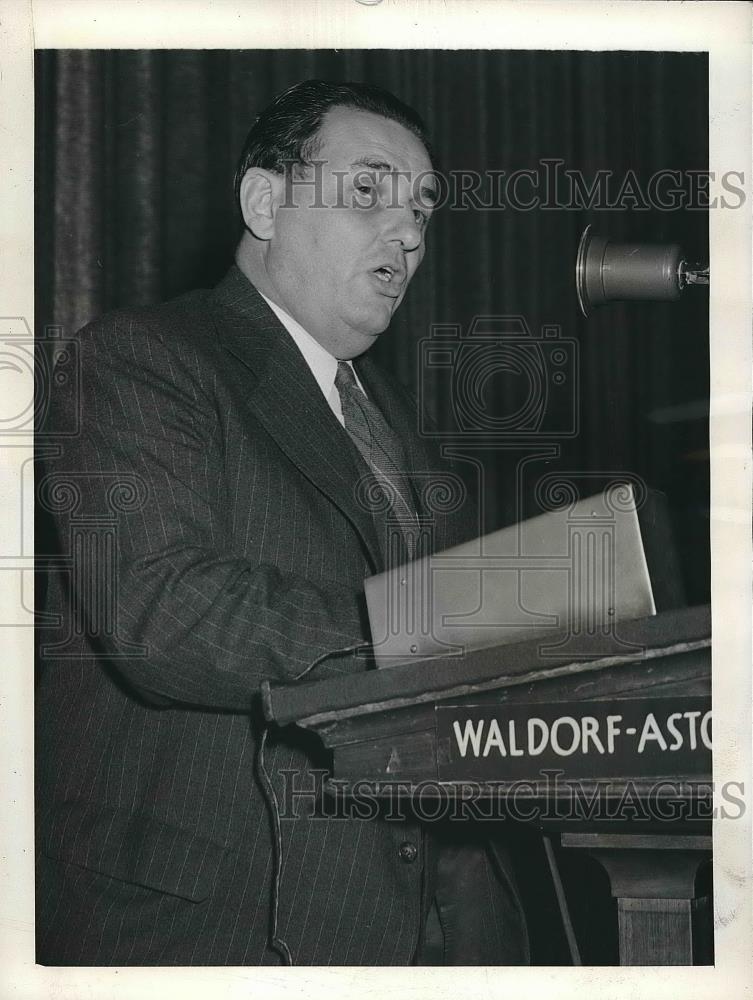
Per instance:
(391,278)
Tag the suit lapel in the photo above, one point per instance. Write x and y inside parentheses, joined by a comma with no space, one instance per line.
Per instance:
(288,402)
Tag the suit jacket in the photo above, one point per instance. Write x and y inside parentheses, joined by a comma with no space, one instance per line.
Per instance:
(210,539)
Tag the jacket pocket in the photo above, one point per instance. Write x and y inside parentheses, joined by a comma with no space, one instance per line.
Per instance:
(134,847)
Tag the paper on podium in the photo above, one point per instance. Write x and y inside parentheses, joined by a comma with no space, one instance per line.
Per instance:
(578,570)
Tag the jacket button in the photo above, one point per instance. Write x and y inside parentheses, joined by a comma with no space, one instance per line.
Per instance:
(407,852)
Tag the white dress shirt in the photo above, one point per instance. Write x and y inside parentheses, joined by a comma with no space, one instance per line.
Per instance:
(323,365)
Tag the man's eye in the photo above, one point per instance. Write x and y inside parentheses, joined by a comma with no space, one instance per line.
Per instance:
(419,216)
(364,184)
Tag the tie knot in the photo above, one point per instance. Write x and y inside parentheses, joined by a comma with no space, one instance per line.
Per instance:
(345,378)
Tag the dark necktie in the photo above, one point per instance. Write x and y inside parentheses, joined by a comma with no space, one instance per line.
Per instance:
(382,451)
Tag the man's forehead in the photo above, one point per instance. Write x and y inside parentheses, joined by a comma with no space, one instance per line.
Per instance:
(350,137)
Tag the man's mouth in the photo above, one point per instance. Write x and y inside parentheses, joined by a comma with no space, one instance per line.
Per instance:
(391,277)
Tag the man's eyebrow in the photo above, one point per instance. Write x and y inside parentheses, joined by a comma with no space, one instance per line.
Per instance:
(372,164)
(429,193)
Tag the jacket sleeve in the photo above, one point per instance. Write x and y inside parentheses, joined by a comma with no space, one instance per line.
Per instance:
(211,625)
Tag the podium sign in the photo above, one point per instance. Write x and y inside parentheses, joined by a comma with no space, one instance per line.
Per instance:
(636,738)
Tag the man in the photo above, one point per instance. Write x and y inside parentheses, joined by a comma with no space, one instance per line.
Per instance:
(222,442)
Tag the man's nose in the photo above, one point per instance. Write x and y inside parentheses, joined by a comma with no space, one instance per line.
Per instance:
(402,226)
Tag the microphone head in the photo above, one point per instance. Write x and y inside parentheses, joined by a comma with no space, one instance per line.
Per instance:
(610,272)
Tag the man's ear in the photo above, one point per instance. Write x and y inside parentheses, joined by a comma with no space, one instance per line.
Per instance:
(260,194)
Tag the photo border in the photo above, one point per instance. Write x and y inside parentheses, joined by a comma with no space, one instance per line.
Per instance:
(722,30)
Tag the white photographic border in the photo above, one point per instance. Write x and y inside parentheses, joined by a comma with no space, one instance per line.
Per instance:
(722,30)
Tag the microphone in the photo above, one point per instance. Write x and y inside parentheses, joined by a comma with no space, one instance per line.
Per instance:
(646,272)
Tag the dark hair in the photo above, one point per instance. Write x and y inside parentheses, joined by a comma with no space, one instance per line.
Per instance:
(287,131)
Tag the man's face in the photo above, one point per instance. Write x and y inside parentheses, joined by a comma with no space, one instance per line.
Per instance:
(350,234)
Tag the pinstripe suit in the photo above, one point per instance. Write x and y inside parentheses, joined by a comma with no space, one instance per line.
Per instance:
(240,555)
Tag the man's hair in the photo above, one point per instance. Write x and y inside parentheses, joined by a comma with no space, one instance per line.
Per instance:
(286,133)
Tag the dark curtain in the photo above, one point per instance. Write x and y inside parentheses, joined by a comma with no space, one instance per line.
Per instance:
(135,157)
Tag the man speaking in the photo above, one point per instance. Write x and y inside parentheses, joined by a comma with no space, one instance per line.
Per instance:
(223,439)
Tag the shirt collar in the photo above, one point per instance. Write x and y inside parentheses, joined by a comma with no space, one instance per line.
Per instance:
(322,364)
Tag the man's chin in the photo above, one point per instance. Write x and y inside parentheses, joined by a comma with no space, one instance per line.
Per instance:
(373,323)
(357,343)
(359,339)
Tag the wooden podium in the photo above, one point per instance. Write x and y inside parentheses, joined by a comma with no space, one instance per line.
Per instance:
(602,740)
